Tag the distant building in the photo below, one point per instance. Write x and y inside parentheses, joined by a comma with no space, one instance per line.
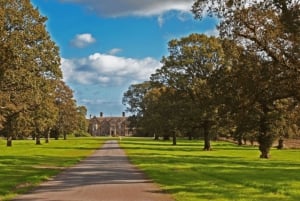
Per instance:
(109,126)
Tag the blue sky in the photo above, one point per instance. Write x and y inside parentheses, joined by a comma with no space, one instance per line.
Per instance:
(106,46)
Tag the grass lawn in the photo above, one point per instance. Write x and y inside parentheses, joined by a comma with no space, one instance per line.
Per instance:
(228,173)
(25,164)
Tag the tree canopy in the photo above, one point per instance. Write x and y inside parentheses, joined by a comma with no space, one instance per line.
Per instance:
(243,84)
(267,74)
(30,72)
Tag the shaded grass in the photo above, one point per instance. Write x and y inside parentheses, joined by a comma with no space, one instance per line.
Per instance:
(227,173)
(25,165)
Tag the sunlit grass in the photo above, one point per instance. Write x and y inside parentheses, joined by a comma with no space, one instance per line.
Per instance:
(25,164)
(227,173)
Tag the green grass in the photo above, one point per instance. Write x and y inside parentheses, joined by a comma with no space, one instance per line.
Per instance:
(228,173)
(25,164)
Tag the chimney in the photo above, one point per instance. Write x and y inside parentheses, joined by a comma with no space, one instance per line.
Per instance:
(101,114)
(123,114)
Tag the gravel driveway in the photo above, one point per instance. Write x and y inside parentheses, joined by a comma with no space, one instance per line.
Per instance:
(107,175)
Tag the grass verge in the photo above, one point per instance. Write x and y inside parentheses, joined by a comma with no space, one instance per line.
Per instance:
(228,173)
(25,165)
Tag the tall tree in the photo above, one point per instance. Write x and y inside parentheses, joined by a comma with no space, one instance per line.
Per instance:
(29,58)
(44,111)
(268,31)
(190,69)
(161,116)
(67,110)
(133,100)
(81,121)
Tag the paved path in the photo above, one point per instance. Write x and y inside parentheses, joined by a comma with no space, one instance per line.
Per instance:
(107,175)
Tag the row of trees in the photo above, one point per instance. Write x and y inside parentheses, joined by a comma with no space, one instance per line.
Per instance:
(34,101)
(244,83)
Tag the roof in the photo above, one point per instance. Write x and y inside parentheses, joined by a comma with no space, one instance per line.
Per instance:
(109,119)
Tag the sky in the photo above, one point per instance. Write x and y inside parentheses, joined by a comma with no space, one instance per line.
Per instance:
(105,46)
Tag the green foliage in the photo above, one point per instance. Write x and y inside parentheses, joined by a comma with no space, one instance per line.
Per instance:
(244,93)
(30,73)
(133,100)
(264,70)
(81,133)
(65,103)
(39,163)
(81,118)
(227,173)
(189,71)
(133,97)
(33,98)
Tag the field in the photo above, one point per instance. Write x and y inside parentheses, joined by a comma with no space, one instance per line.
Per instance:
(25,164)
(227,173)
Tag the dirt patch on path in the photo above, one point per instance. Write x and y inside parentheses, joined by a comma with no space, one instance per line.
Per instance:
(107,175)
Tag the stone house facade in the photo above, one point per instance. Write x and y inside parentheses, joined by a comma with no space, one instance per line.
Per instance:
(109,126)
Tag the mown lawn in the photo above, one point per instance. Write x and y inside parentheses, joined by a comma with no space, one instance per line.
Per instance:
(25,164)
(228,173)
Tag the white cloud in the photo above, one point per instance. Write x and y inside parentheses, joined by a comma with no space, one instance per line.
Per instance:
(117,8)
(95,101)
(108,70)
(184,16)
(83,40)
(114,51)
(160,20)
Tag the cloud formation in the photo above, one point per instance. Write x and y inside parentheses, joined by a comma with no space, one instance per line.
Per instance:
(117,8)
(114,51)
(108,70)
(83,40)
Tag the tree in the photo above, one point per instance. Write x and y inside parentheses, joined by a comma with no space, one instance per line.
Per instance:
(81,122)
(133,100)
(253,99)
(44,112)
(287,126)
(268,31)
(29,59)
(133,97)
(190,69)
(161,116)
(67,110)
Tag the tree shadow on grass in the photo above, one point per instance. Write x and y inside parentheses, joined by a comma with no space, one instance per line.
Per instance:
(67,148)
(216,177)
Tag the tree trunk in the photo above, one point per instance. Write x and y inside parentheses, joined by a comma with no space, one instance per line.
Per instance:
(56,134)
(47,139)
(190,135)
(264,146)
(238,137)
(166,137)
(252,141)
(207,146)
(9,141)
(245,140)
(265,151)
(47,136)
(174,138)
(240,142)
(156,136)
(265,139)
(280,143)
(38,140)
(65,136)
